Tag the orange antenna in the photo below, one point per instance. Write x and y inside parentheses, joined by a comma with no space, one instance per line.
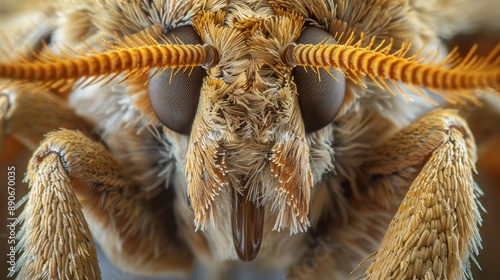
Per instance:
(127,60)
(471,73)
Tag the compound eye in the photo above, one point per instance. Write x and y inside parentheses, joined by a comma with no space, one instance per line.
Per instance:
(319,101)
(174,98)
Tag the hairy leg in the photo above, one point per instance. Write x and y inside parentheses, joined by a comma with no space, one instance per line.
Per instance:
(69,173)
(435,231)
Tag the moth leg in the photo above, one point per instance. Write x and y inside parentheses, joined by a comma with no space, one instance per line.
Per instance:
(29,114)
(73,181)
(435,231)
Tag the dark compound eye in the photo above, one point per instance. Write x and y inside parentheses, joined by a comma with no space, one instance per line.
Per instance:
(175,98)
(319,101)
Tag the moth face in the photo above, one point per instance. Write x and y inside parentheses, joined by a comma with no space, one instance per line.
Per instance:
(247,117)
(175,99)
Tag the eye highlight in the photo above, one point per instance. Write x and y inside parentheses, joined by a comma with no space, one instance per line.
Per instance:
(319,100)
(174,97)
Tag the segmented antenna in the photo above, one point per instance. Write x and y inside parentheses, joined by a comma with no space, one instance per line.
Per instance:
(129,61)
(470,73)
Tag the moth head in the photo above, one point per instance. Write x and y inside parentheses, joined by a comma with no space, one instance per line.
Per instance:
(245,113)
(247,103)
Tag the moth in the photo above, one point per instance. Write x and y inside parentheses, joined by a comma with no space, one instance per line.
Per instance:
(286,133)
